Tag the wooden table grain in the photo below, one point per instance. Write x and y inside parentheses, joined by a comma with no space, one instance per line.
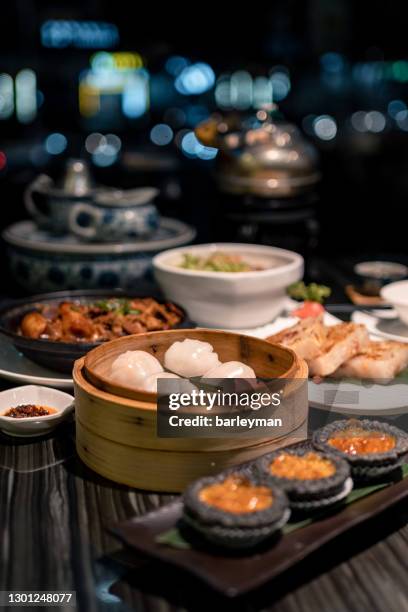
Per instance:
(54,518)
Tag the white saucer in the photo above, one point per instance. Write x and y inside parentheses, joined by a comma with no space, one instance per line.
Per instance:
(17,368)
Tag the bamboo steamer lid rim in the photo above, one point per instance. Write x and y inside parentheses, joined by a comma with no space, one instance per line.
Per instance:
(147,397)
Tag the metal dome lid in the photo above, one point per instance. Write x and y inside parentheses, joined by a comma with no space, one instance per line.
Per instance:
(263,155)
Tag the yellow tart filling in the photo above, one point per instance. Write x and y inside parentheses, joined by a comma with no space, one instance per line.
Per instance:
(309,466)
(357,441)
(236,494)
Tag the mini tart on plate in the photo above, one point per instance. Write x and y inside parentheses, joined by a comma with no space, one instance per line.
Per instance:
(372,448)
(306,475)
(235,509)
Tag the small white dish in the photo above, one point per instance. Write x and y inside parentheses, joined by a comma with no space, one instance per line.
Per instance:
(63,404)
(396,294)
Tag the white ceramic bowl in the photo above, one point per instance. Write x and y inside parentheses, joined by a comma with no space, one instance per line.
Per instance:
(396,294)
(229,299)
(63,403)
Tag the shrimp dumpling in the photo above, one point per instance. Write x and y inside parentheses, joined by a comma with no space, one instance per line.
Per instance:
(183,385)
(231,369)
(150,383)
(190,358)
(133,367)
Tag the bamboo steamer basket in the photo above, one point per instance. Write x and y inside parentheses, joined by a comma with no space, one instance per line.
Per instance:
(267,360)
(116,426)
(169,471)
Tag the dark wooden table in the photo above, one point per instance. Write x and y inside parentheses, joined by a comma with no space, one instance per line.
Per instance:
(54,513)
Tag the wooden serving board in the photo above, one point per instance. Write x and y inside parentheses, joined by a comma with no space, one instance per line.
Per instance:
(236,575)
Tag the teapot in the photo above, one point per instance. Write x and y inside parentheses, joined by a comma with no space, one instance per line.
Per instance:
(262,155)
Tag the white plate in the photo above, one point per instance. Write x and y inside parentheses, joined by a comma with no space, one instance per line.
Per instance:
(14,366)
(392,329)
(346,396)
(61,402)
(359,399)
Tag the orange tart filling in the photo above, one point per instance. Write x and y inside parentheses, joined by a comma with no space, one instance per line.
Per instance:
(236,494)
(358,441)
(310,466)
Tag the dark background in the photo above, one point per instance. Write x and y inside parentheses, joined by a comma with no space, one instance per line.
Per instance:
(362,199)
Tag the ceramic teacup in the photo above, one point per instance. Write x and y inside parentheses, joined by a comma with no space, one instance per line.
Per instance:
(115,215)
(48,206)
(49,203)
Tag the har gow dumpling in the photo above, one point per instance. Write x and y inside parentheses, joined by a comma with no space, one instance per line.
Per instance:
(190,358)
(231,369)
(150,383)
(133,367)
(183,385)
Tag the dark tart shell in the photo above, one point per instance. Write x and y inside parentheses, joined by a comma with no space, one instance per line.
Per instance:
(230,529)
(367,464)
(305,489)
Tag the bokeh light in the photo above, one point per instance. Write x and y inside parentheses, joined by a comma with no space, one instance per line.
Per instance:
(325,127)
(55,143)
(375,121)
(358,121)
(192,147)
(195,79)
(3,160)
(161,134)
(395,106)
(280,82)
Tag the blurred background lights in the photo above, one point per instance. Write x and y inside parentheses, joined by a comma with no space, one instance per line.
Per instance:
(104,149)
(375,121)
(26,95)
(195,79)
(332,62)
(55,143)
(161,134)
(358,121)
(113,141)
(190,144)
(192,147)
(6,96)
(402,120)
(262,92)
(3,160)
(325,127)
(175,64)
(395,106)
(241,90)
(105,156)
(93,141)
(280,82)
(135,97)
(62,33)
